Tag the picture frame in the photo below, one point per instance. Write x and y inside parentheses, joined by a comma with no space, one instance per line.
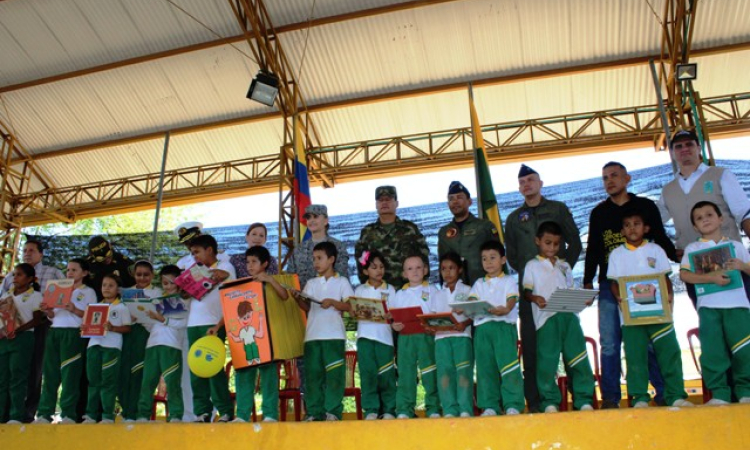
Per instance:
(368,309)
(439,321)
(645,299)
(712,260)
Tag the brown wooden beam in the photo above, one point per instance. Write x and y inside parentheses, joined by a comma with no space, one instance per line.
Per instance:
(224,41)
(408,93)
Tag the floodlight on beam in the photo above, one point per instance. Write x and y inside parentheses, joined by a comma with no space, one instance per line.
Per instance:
(687,72)
(264,88)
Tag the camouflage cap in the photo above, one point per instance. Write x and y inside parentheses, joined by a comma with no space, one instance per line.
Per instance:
(390,191)
(316,210)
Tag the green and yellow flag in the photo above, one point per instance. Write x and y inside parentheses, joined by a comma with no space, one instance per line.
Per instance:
(487,203)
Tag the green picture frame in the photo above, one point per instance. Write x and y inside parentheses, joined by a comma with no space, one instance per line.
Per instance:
(645,299)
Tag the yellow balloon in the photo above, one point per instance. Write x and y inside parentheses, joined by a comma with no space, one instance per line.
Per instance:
(206,357)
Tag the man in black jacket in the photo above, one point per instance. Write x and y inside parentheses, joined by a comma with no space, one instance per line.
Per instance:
(605,235)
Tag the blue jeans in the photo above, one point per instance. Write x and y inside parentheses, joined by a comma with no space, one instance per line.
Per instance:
(610,340)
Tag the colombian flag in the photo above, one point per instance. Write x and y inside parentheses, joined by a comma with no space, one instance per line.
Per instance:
(301,181)
(487,202)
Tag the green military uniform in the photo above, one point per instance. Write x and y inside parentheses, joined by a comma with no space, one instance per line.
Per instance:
(395,241)
(131,370)
(269,389)
(466,238)
(637,339)
(520,231)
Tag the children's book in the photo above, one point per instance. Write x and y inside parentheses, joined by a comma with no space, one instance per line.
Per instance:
(94,319)
(472,309)
(172,305)
(409,317)
(132,294)
(570,300)
(712,260)
(439,322)
(9,320)
(196,281)
(368,309)
(261,327)
(139,309)
(57,294)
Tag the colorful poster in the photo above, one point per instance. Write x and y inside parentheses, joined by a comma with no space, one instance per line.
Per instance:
(94,319)
(57,293)
(245,317)
(196,281)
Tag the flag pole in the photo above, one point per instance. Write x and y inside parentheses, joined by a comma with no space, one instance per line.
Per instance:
(475,144)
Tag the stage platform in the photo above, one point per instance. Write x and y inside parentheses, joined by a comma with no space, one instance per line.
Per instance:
(704,427)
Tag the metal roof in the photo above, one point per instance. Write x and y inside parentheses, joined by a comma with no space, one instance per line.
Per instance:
(416,48)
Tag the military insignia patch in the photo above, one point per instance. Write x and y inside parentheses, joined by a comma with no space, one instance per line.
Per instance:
(524,216)
(451,233)
(651,262)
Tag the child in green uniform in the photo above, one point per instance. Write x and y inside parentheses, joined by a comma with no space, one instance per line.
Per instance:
(103,355)
(723,315)
(17,348)
(258,258)
(134,347)
(64,348)
(634,258)
(163,357)
(556,332)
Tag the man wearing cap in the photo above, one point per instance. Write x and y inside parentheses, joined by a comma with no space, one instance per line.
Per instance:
(520,231)
(697,182)
(605,234)
(301,261)
(185,233)
(395,238)
(33,253)
(104,260)
(466,233)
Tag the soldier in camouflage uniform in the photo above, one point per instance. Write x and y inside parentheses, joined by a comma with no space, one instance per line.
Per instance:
(394,238)
(466,233)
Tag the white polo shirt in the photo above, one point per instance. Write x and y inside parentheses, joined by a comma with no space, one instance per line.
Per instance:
(496,291)
(443,296)
(81,297)
(646,259)
(542,278)
(119,315)
(26,303)
(410,296)
(207,311)
(380,332)
(735,298)
(326,324)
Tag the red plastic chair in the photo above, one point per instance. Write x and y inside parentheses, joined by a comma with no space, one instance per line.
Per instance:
(160,397)
(693,334)
(289,375)
(351,390)
(229,369)
(562,382)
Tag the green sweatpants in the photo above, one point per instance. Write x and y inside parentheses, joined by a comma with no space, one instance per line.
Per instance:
(62,366)
(245,380)
(455,372)
(325,377)
(209,392)
(15,364)
(496,353)
(416,350)
(377,377)
(562,333)
(725,344)
(637,339)
(162,361)
(103,372)
(131,369)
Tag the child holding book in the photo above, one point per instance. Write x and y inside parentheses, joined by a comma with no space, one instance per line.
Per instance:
(206,318)
(134,346)
(496,336)
(258,260)
(325,336)
(64,348)
(637,257)
(723,315)
(415,351)
(454,352)
(556,332)
(377,373)
(17,348)
(103,355)
(164,355)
